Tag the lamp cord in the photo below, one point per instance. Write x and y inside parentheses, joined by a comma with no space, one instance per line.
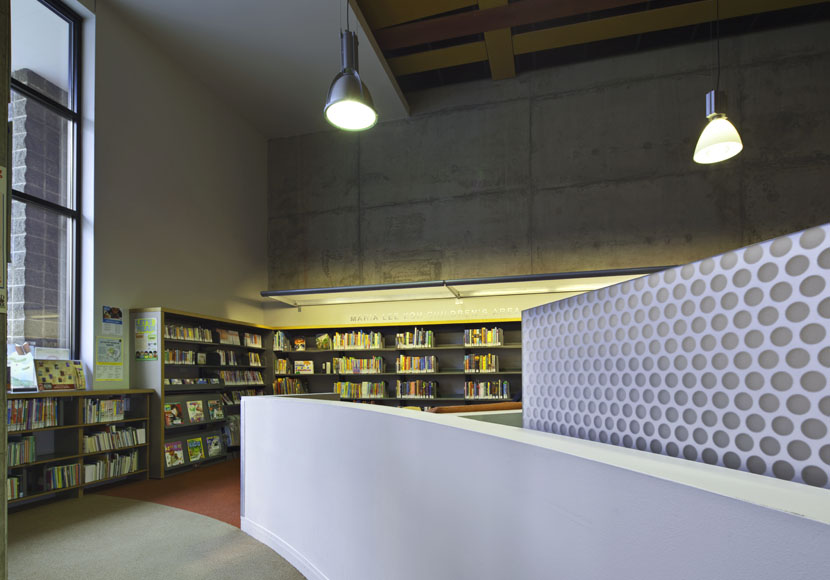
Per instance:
(717,42)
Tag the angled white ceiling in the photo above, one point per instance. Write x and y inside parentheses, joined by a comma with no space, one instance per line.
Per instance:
(271,60)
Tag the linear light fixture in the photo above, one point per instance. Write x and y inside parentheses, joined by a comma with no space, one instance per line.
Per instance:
(459,289)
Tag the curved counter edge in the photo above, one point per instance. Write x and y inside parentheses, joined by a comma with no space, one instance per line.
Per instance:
(360,491)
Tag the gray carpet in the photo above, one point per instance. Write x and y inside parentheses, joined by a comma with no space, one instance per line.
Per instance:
(109,538)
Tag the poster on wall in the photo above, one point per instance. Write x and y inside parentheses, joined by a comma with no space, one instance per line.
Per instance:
(112,322)
(146,339)
(109,359)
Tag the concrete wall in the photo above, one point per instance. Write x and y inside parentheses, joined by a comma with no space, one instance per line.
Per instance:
(580,167)
(179,187)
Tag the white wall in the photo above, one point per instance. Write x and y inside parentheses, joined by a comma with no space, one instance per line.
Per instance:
(180,184)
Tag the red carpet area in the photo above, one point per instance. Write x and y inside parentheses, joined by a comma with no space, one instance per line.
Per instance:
(212,490)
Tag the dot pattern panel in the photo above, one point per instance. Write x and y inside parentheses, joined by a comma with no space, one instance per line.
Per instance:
(724,361)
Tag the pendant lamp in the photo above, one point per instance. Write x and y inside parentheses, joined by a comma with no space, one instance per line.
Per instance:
(349,105)
(719,140)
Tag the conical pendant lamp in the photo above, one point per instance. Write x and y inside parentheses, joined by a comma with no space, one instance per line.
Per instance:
(349,105)
(719,140)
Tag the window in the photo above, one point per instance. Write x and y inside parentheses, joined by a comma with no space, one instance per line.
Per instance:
(43,272)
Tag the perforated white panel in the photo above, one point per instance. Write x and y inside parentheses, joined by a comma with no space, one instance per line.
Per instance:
(724,361)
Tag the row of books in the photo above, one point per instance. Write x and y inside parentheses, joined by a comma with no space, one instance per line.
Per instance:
(21,451)
(241,377)
(111,465)
(193,411)
(28,414)
(481,363)
(351,365)
(254,360)
(289,386)
(417,389)
(358,339)
(235,397)
(198,381)
(114,438)
(417,364)
(231,431)
(484,337)
(179,332)
(419,338)
(61,476)
(253,340)
(228,336)
(362,390)
(227,358)
(198,449)
(177,356)
(101,410)
(281,342)
(487,390)
(281,366)
(14,489)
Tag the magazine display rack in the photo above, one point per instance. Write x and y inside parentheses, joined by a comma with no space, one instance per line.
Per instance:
(198,368)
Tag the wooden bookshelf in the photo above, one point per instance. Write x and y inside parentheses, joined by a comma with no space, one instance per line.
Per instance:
(60,442)
(194,388)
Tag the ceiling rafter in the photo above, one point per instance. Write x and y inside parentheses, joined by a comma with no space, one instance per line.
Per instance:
(491,16)
(384,13)
(499,46)
(687,14)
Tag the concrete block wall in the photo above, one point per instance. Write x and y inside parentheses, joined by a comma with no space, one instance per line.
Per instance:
(581,167)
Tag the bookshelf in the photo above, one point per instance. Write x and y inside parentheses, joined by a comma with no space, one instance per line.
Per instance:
(198,368)
(403,365)
(63,442)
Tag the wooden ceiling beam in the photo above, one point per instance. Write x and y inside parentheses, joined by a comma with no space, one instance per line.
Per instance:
(384,13)
(499,46)
(647,21)
(606,28)
(439,58)
(494,17)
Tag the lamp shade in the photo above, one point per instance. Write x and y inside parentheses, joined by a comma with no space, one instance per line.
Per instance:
(719,141)
(349,105)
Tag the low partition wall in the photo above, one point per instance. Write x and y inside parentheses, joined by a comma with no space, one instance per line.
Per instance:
(347,491)
(724,361)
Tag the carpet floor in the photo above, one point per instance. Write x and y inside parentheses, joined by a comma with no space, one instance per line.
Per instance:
(98,537)
(212,491)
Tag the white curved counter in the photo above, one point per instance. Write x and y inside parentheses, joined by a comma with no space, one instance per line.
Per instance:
(361,492)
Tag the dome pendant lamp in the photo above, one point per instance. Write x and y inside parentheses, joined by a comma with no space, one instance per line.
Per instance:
(719,140)
(349,105)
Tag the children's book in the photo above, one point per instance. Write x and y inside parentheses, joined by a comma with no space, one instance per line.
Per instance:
(195,411)
(214,445)
(173,414)
(195,450)
(215,409)
(173,454)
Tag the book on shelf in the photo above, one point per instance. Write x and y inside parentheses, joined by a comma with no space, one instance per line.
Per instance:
(232,378)
(484,337)
(214,445)
(417,389)
(21,450)
(179,332)
(109,466)
(173,414)
(253,340)
(60,375)
(195,451)
(289,386)
(254,360)
(299,343)
(173,453)
(419,338)
(361,390)
(323,341)
(231,431)
(481,363)
(195,411)
(103,410)
(487,390)
(416,364)
(357,340)
(39,413)
(215,409)
(230,337)
(201,358)
(351,365)
(113,438)
(281,342)
(303,367)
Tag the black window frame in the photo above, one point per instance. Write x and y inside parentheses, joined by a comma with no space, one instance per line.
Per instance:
(74,116)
